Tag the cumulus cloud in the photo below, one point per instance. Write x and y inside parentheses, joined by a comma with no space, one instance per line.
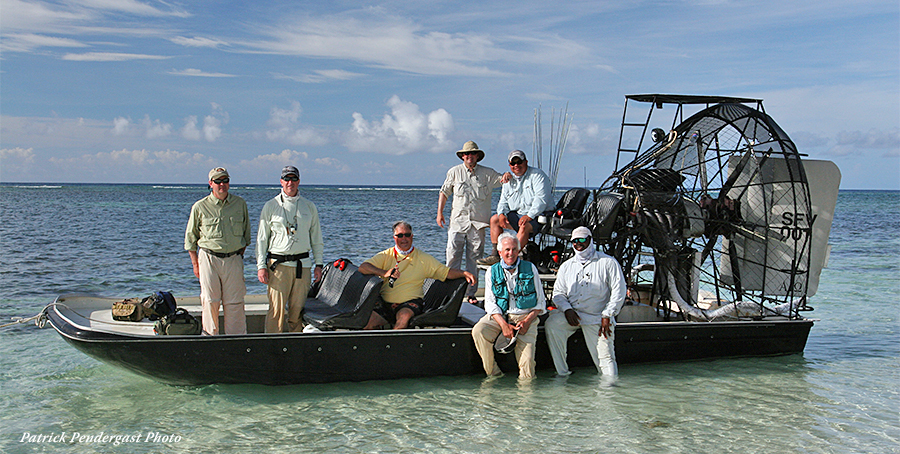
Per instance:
(405,130)
(155,128)
(284,126)
(120,125)
(211,128)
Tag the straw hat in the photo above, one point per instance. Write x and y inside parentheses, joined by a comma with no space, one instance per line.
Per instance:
(469,147)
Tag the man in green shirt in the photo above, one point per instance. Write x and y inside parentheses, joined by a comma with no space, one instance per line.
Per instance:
(217,233)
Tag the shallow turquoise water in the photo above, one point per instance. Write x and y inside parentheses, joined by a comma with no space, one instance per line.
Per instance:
(840,395)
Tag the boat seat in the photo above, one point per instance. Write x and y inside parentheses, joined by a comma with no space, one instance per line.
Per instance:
(441,302)
(344,300)
(567,215)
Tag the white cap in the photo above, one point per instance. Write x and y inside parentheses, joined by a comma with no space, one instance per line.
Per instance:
(581,232)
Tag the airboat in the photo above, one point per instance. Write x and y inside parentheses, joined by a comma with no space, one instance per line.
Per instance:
(719,225)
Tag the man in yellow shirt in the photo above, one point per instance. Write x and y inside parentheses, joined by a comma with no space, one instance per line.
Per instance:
(404,270)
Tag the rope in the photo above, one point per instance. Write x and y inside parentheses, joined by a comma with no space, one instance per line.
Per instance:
(20,320)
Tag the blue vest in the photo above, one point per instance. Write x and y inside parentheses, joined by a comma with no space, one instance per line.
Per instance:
(525,294)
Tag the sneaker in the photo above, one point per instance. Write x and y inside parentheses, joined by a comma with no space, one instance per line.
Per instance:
(489,260)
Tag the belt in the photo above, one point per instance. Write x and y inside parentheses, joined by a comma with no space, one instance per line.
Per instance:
(278,258)
(221,255)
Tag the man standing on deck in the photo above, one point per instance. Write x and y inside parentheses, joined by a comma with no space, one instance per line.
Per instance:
(288,230)
(522,199)
(217,233)
(513,300)
(589,293)
(404,270)
(471,186)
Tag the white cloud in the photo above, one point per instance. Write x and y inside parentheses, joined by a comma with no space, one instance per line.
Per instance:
(197,41)
(120,125)
(111,56)
(284,126)
(197,73)
(319,76)
(26,42)
(384,41)
(156,128)
(211,128)
(404,130)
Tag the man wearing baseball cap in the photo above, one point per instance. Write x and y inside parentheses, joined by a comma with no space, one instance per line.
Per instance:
(471,186)
(288,230)
(522,199)
(217,233)
(589,292)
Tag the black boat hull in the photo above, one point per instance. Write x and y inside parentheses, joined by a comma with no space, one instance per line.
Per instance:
(283,359)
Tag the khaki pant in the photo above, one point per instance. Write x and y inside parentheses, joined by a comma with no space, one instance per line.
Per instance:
(286,290)
(486,331)
(473,243)
(222,284)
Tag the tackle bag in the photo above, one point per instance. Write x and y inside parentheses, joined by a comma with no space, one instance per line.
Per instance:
(158,305)
(178,323)
(129,310)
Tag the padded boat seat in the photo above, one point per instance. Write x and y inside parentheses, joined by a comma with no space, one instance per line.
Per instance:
(344,300)
(567,214)
(441,302)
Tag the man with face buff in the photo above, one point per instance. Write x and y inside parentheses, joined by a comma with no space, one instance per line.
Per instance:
(589,292)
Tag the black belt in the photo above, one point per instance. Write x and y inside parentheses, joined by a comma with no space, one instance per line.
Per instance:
(221,255)
(278,258)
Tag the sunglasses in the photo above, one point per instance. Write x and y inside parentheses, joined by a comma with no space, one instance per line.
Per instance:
(468,153)
(516,162)
(403,235)
(221,180)
(291,178)
(581,240)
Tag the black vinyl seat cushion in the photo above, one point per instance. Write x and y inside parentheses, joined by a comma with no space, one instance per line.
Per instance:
(441,302)
(344,300)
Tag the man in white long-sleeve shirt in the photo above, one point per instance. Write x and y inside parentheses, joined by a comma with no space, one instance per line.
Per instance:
(513,300)
(589,293)
(288,229)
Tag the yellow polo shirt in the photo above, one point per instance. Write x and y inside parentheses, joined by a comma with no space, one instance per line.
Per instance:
(414,269)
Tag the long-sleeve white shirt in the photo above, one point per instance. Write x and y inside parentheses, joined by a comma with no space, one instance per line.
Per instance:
(595,289)
(275,234)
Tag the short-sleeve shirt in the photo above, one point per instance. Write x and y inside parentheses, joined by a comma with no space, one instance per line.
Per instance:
(414,269)
(472,191)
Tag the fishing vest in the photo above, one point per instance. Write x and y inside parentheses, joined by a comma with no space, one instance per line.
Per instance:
(526,296)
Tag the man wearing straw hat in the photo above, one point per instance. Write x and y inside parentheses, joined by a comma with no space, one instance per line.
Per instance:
(471,186)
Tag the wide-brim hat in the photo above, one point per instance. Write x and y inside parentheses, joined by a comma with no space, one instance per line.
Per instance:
(470,147)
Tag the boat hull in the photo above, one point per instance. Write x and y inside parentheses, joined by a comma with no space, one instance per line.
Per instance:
(295,358)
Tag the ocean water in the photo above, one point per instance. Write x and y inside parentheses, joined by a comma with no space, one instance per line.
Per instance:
(841,395)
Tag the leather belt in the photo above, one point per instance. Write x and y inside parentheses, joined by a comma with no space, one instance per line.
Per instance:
(221,255)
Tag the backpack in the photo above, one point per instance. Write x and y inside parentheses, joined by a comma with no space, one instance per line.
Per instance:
(178,323)
(159,305)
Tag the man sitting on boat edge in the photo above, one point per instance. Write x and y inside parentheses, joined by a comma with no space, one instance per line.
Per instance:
(589,292)
(513,292)
(404,270)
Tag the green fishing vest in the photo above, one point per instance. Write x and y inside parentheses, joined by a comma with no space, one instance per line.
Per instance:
(526,296)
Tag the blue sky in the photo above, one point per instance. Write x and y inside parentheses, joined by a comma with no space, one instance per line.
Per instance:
(385,93)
